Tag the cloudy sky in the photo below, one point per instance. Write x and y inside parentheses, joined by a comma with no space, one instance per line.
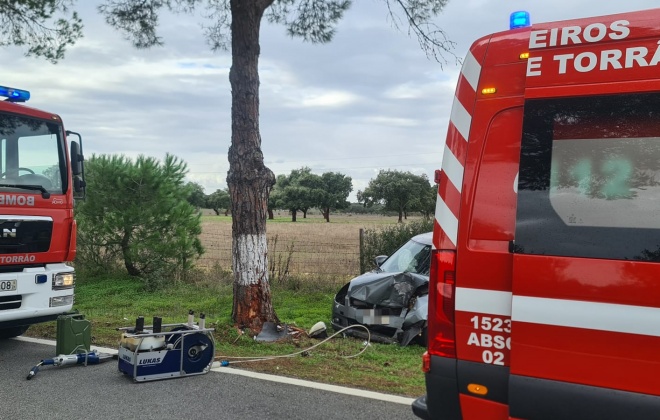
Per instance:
(367,101)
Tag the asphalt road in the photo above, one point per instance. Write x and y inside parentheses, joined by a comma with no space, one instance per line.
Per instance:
(101,392)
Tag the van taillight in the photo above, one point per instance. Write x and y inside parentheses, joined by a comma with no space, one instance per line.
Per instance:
(441,335)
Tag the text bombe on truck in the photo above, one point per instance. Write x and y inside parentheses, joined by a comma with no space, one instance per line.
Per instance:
(39,177)
(544,296)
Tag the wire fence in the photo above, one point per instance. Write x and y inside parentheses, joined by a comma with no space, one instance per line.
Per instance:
(327,252)
(314,250)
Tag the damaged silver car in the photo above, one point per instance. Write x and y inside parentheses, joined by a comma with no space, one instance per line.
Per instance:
(392,299)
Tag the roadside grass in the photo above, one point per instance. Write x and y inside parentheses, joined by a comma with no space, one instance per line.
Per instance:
(115,301)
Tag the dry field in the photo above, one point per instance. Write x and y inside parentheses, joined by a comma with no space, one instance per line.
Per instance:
(313,247)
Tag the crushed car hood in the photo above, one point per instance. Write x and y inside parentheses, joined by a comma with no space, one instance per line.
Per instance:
(390,290)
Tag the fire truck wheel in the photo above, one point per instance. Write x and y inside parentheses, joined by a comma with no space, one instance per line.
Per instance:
(12,332)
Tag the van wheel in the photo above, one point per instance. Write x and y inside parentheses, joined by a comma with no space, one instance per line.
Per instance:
(13,331)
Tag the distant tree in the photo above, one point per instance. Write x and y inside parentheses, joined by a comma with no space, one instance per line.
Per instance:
(138,211)
(427,205)
(274,200)
(399,191)
(314,186)
(196,196)
(335,189)
(34,24)
(219,200)
(299,191)
(237,23)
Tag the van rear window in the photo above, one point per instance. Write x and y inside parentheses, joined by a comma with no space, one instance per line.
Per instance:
(589,180)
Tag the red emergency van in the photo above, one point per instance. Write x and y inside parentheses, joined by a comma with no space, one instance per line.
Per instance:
(544,295)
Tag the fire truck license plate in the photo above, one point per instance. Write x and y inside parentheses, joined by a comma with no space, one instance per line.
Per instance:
(7,285)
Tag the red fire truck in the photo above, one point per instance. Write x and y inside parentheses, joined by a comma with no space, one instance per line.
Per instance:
(544,295)
(39,178)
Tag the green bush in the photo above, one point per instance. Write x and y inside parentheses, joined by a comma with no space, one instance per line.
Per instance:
(137,216)
(386,240)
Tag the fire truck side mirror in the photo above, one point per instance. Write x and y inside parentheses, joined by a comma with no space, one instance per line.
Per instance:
(78,185)
(76,158)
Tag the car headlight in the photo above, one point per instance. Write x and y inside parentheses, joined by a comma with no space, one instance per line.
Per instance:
(63,281)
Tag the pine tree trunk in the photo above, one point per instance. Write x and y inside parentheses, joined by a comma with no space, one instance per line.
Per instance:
(249,180)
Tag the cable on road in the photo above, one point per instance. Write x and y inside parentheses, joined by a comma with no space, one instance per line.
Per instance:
(224,360)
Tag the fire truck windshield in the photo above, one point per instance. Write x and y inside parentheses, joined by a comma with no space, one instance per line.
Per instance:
(31,155)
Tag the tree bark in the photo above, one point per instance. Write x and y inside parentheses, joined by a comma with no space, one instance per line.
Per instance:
(125,250)
(294,215)
(271,216)
(249,180)
(326,214)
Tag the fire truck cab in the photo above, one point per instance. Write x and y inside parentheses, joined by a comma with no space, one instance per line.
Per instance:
(40,176)
(544,295)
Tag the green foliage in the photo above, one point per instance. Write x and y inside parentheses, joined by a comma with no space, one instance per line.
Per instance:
(386,240)
(218,200)
(311,20)
(335,190)
(428,201)
(33,24)
(302,190)
(299,191)
(402,192)
(196,196)
(137,214)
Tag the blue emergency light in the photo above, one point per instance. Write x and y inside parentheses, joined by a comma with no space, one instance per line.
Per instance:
(14,95)
(519,19)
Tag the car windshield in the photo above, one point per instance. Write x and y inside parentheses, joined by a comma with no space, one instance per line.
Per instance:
(413,257)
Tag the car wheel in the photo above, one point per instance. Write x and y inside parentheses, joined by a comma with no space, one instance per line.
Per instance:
(12,332)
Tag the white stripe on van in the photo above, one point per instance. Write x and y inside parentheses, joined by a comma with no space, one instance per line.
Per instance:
(446,219)
(483,301)
(630,319)
(453,168)
(460,118)
(471,70)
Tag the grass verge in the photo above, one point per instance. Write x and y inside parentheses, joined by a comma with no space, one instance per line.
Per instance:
(116,301)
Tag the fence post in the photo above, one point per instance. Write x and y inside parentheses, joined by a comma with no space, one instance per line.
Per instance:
(362,268)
